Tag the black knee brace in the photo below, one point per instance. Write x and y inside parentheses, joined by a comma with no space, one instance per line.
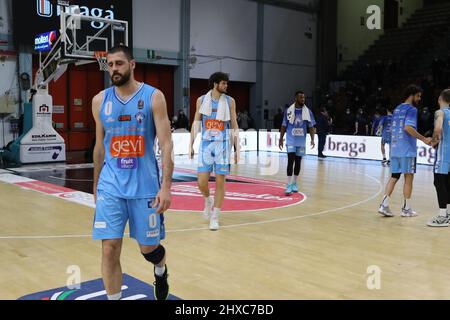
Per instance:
(440,182)
(291,162)
(156,256)
(396,176)
(298,164)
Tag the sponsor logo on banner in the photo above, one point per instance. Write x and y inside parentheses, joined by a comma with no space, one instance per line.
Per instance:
(425,154)
(45,9)
(43,137)
(55,151)
(44,41)
(351,149)
(125,118)
(127,147)
(44,110)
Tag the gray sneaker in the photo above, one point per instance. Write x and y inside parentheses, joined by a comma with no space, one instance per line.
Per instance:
(408,213)
(385,211)
(439,221)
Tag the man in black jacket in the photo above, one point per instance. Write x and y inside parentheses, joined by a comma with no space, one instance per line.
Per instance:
(324,123)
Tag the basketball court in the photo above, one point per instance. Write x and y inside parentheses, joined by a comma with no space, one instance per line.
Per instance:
(318,248)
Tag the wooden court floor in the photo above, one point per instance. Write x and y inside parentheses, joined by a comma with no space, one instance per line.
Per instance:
(320,249)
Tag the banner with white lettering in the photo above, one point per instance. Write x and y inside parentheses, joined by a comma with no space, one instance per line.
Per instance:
(33,17)
(353,147)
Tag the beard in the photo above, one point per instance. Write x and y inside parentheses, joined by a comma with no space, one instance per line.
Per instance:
(416,103)
(122,79)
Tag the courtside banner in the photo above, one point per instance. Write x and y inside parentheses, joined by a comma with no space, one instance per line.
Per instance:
(352,147)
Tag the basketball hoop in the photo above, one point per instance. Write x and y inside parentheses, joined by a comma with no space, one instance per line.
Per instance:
(101,59)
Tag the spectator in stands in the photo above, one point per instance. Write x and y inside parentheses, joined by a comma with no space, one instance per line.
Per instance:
(437,66)
(182,122)
(379,73)
(367,78)
(278,119)
(348,122)
(375,122)
(392,67)
(242,120)
(425,123)
(251,121)
(361,123)
(173,123)
(324,122)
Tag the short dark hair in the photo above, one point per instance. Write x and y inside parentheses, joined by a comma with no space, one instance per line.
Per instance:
(411,90)
(122,48)
(299,92)
(445,95)
(217,77)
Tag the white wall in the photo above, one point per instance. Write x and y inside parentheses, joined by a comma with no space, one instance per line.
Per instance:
(224,28)
(156,24)
(354,39)
(285,41)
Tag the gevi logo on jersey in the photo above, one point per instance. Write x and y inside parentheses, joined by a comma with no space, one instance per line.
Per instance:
(127,147)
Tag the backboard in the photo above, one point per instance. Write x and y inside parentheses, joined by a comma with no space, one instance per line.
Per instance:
(82,34)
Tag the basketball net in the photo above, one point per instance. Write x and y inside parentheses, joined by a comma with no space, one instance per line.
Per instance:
(101,59)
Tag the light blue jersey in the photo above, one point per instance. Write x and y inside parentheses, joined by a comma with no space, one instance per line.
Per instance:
(442,164)
(215,147)
(386,123)
(212,129)
(130,169)
(403,145)
(296,132)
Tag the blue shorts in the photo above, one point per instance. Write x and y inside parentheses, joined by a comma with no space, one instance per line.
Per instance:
(403,165)
(112,214)
(214,156)
(299,151)
(442,167)
(385,141)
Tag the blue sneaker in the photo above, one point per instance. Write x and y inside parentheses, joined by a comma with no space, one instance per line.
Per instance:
(288,191)
(294,188)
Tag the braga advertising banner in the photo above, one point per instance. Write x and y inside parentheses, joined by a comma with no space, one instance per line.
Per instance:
(353,147)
